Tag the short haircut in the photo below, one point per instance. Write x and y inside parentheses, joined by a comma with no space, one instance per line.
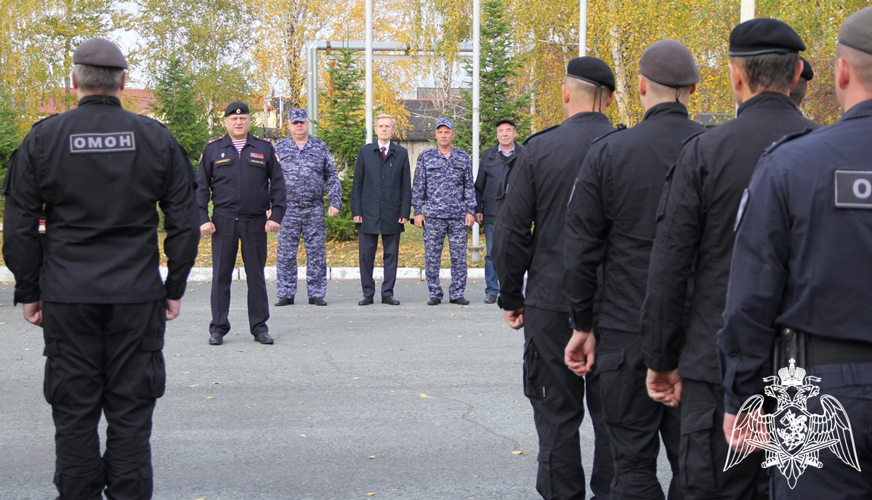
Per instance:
(379,117)
(860,61)
(798,91)
(663,91)
(585,92)
(97,78)
(769,72)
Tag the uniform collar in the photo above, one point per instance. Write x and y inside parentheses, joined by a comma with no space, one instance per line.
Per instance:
(767,100)
(860,110)
(229,142)
(588,116)
(666,108)
(100,99)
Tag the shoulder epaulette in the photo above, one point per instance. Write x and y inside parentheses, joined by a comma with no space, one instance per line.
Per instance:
(539,133)
(786,138)
(44,119)
(264,139)
(694,135)
(215,139)
(617,129)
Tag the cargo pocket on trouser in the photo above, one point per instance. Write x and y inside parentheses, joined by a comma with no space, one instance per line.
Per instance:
(52,379)
(614,384)
(146,484)
(695,452)
(155,367)
(534,387)
(544,477)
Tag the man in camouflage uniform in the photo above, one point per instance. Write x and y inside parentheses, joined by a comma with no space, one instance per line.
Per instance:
(308,168)
(443,182)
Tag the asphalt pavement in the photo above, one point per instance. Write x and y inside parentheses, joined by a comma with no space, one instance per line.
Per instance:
(389,402)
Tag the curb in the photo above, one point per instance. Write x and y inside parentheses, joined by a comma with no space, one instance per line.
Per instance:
(201,274)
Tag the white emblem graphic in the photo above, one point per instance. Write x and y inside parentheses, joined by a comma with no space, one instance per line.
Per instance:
(222,155)
(792,437)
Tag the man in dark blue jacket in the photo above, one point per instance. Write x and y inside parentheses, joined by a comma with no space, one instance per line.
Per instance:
(242,175)
(381,198)
(495,164)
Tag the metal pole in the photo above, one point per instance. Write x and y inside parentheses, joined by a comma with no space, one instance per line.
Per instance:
(368,71)
(476,113)
(312,86)
(582,28)
(747,10)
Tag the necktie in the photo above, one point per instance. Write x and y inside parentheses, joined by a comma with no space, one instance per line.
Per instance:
(383,152)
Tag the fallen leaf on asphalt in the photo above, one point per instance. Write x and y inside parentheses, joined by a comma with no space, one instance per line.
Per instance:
(210,397)
(355,378)
(240,351)
(176,354)
(27,349)
(453,314)
(481,335)
(194,385)
(272,352)
(371,457)
(187,372)
(362,355)
(216,383)
(459,336)
(301,403)
(425,396)
(517,452)
(370,494)
(302,435)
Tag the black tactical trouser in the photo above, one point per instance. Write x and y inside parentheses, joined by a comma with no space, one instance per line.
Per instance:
(703,450)
(103,358)
(634,421)
(851,385)
(557,396)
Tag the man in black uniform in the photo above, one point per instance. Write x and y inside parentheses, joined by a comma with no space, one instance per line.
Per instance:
(537,189)
(695,224)
(800,89)
(610,223)
(802,261)
(242,172)
(100,170)
(495,164)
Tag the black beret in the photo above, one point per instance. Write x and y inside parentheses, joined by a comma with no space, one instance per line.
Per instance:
(764,36)
(670,63)
(856,31)
(236,108)
(99,52)
(807,72)
(506,120)
(591,70)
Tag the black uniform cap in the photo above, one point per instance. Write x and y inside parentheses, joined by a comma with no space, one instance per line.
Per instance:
(236,108)
(591,70)
(856,31)
(99,52)
(764,36)
(807,72)
(670,63)
(506,120)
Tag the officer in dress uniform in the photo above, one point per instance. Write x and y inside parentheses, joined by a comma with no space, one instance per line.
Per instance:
(443,188)
(308,169)
(610,223)
(695,223)
(802,262)
(537,189)
(94,284)
(496,162)
(241,172)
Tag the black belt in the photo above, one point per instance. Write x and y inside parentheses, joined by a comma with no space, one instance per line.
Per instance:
(814,350)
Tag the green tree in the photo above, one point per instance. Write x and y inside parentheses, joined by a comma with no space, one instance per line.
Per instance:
(343,128)
(498,98)
(10,136)
(177,106)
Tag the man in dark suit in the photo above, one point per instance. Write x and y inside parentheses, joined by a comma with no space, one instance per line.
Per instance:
(381,199)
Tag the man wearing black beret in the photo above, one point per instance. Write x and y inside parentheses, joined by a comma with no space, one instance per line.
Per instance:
(537,189)
(241,174)
(695,235)
(800,89)
(94,284)
(610,224)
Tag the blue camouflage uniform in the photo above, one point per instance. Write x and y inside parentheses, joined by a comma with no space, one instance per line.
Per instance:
(444,185)
(307,170)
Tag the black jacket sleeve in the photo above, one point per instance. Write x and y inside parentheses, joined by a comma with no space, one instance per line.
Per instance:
(513,236)
(679,230)
(181,221)
(22,246)
(406,193)
(277,193)
(480,182)
(584,246)
(204,185)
